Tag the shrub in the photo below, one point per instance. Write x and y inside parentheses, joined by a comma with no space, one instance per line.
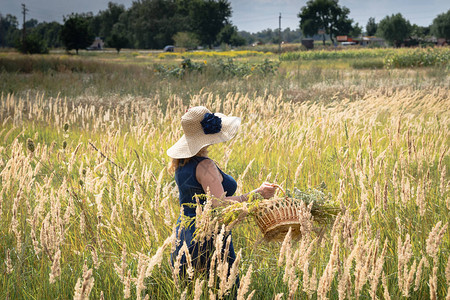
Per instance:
(368,64)
(32,45)
(335,54)
(418,58)
(187,40)
(228,68)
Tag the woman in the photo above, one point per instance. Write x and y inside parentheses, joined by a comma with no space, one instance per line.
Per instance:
(195,174)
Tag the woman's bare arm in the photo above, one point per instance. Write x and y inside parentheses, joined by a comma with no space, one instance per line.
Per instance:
(209,177)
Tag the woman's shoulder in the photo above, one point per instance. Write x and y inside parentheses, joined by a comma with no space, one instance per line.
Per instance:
(206,162)
(207,167)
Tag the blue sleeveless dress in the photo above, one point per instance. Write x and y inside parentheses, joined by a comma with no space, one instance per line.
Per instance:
(188,186)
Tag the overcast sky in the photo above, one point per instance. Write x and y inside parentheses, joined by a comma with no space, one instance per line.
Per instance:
(249,15)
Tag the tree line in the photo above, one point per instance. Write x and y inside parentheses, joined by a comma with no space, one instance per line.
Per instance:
(153,24)
(147,24)
(331,19)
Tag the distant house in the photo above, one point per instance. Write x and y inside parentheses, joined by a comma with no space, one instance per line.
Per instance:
(343,39)
(441,42)
(98,44)
(372,40)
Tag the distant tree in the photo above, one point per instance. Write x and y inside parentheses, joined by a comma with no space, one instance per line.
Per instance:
(325,15)
(152,23)
(265,36)
(75,32)
(9,31)
(420,31)
(50,33)
(228,35)
(103,23)
(224,36)
(249,37)
(356,31)
(441,26)
(291,36)
(208,18)
(31,23)
(371,27)
(32,44)
(394,29)
(270,36)
(117,39)
(237,40)
(185,39)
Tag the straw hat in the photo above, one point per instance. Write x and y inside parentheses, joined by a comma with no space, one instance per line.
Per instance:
(202,128)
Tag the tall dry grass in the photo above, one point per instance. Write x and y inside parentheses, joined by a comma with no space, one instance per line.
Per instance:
(87,206)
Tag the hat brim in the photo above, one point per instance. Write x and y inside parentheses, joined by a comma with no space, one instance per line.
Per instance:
(189,146)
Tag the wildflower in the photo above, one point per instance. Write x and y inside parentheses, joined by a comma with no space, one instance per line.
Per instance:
(442,187)
(212,269)
(190,269)
(36,247)
(233,272)
(404,252)
(447,271)
(423,263)
(198,289)
(328,274)
(84,285)
(183,295)
(82,223)
(408,279)
(243,288)
(435,238)
(420,199)
(385,287)
(56,267)
(285,247)
(9,267)
(141,275)
(157,258)
(433,282)
(30,145)
(95,258)
(123,266)
(127,285)
(377,268)
(278,296)
(98,201)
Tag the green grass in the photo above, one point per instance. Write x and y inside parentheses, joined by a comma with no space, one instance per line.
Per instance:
(108,76)
(333,118)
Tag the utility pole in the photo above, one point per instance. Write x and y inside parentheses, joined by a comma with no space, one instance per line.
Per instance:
(279,34)
(24,12)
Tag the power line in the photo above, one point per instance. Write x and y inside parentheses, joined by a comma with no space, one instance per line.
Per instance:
(279,34)
(24,12)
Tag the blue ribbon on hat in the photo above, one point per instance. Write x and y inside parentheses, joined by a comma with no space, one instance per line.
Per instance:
(211,124)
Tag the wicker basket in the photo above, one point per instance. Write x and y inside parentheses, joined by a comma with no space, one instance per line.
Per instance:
(275,216)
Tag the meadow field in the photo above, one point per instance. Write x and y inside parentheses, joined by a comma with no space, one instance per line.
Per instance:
(87,205)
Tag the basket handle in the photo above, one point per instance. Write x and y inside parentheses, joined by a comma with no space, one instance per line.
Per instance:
(279,187)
